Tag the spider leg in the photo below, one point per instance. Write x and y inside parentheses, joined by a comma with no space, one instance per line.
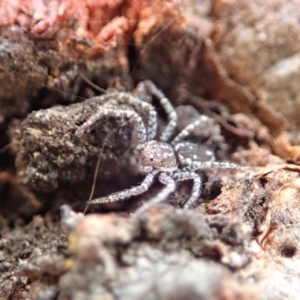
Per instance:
(196,189)
(137,104)
(134,191)
(189,129)
(110,112)
(190,162)
(167,106)
(169,188)
(197,165)
(140,105)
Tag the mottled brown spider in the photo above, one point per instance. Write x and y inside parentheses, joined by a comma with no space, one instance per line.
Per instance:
(159,157)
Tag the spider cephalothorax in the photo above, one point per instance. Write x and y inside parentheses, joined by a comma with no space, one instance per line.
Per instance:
(158,156)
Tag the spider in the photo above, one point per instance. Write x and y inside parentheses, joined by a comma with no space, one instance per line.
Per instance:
(159,157)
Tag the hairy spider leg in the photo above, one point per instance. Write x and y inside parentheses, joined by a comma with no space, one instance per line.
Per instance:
(134,191)
(196,189)
(197,165)
(178,142)
(169,188)
(137,104)
(167,106)
(110,112)
(193,166)
(189,129)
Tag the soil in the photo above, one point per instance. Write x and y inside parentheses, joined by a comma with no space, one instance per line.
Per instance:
(240,241)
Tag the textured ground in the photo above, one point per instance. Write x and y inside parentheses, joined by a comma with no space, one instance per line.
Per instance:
(229,61)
